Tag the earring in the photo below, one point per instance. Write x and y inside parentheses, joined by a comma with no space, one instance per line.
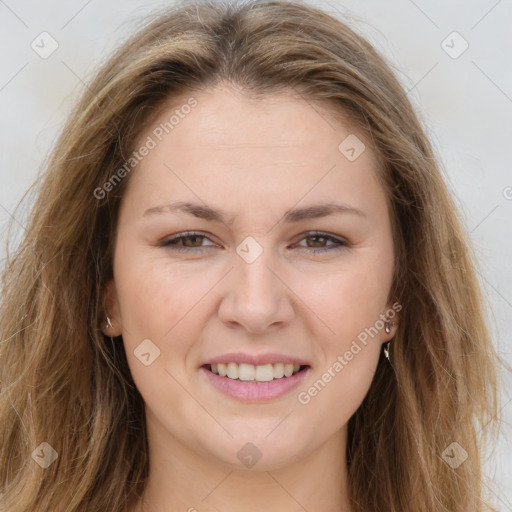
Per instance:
(386,350)
(109,323)
(386,345)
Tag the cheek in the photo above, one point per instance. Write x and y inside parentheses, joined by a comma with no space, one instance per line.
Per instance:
(350,304)
(352,299)
(157,306)
(166,303)
(351,308)
(154,294)
(337,393)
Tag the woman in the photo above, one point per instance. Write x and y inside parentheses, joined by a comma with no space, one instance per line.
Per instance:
(244,285)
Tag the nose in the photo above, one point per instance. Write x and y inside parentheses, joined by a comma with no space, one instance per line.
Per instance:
(255,299)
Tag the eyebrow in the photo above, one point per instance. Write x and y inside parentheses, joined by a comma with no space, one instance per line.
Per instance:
(203,211)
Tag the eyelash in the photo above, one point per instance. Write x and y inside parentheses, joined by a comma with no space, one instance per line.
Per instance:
(171,243)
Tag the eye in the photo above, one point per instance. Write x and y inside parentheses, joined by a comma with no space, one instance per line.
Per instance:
(189,240)
(319,239)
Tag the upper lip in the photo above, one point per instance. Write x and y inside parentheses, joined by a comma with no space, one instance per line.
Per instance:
(255,359)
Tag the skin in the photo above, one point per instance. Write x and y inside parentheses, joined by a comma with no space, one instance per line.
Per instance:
(254,159)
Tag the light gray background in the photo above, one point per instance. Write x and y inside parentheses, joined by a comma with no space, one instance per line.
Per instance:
(466,105)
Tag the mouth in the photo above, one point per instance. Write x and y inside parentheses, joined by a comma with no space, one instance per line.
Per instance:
(250,383)
(262,373)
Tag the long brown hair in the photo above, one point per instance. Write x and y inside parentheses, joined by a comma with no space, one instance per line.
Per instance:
(64,383)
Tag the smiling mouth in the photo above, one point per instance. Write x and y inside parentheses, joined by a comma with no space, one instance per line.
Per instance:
(250,373)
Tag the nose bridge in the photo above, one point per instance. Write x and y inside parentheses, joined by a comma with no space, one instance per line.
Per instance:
(254,280)
(253,259)
(256,298)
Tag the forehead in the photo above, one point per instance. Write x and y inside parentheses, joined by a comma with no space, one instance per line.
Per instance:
(228,117)
(231,145)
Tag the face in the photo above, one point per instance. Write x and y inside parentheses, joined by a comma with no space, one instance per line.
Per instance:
(253,239)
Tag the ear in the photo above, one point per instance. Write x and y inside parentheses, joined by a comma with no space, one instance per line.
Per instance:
(111,310)
(392,315)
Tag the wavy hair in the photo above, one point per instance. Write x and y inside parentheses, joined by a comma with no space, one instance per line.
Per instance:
(65,383)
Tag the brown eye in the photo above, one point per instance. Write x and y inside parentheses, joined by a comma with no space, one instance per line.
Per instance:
(187,241)
(195,240)
(320,241)
(317,240)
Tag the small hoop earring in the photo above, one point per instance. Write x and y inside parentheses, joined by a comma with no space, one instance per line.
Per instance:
(109,323)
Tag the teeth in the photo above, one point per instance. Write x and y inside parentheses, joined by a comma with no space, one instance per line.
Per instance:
(259,373)
(278,370)
(246,371)
(264,372)
(222,369)
(232,371)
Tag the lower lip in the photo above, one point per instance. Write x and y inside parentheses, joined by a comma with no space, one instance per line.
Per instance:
(250,391)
